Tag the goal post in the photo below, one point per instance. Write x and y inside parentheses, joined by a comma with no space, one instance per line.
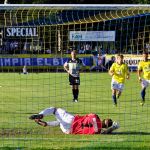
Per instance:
(35,42)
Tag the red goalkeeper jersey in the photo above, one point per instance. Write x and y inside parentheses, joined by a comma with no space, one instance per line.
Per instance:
(88,124)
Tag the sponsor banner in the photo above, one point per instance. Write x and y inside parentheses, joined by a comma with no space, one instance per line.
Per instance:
(92,36)
(40,56)
(131,60)
(39,61)
(20,32)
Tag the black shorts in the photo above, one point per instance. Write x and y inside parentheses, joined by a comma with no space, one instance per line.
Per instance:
(74,80)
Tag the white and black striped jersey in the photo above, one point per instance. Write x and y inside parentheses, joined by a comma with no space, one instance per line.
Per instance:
(74,66)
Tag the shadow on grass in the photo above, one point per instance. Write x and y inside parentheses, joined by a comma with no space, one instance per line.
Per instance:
(108,148)
(80,148)
(13,148)
(131,133)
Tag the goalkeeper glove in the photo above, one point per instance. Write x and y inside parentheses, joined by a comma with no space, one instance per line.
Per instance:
(42,123)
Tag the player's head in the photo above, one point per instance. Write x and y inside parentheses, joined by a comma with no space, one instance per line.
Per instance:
(119,58)
(145,55)
(106,123)
(73,54)
(113,58)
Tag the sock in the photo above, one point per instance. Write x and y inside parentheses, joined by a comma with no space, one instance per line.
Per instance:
(114,99)
(143,92)
(74,93)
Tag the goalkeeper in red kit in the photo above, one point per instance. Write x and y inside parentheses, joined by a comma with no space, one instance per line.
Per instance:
(75,124)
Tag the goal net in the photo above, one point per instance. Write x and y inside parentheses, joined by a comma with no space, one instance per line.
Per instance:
(35,43)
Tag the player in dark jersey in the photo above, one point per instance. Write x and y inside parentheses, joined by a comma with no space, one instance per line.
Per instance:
(72,66)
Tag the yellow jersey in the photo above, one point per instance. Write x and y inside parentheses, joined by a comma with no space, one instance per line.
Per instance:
(145,67)
(120,72)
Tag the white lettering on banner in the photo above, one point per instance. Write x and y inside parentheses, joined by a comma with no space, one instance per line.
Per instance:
(56,62)
(131,60)
(20,31)
(46,62)
(8,32)
(21,62)
(36,61)
(40,62)
(77,36)
(7,62)
(92,35)
(14,61)
(13,31)
(62,62)
(83,61)
(27,61)
(30,32)
(1,62)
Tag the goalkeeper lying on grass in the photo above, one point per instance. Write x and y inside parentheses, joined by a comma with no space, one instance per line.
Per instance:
(75,124)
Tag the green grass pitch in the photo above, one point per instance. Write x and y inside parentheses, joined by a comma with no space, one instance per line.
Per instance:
(23,95)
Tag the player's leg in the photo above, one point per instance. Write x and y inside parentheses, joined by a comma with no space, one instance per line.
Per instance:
(114,90)
(65,119)
(45,112)
(71,80)
(120,88)
(63,116)
(118,94)
(144,84)
(114,97)
(48,111)
(76,89)
(75,82)
(73,92)
(143,93)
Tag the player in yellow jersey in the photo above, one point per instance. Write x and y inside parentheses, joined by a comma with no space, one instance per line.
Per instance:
(144,75)
(119,72)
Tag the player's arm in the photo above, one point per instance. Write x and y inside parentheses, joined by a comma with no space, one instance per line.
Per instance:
(127,74)
(111,70)
(139,72)
(109,130)
(44,124)
(53,123)
(66,67)
(82,65)
(40,122)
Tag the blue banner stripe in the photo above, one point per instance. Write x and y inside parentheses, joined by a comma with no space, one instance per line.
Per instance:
(39,61)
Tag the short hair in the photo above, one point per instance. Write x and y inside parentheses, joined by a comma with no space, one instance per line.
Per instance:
(108,124)
(74,51)
(112,57)
(120,55)
(145,52)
